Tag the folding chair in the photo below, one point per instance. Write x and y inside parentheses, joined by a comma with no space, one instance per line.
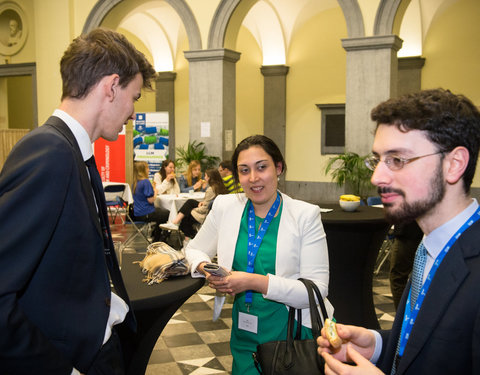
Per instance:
(387,243)
(385,250)
(110,190)
(142,228)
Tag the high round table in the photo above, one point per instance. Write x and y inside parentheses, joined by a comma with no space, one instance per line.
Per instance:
(153,306)
(354,239)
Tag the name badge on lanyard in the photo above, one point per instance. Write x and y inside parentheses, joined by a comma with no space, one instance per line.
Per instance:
(249,322)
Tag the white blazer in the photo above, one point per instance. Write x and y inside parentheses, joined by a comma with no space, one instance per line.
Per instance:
(301,249)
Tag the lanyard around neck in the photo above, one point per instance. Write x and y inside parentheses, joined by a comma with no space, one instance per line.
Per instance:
(254,242)
(410,314)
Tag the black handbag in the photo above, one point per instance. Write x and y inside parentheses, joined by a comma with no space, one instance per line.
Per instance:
(295,356)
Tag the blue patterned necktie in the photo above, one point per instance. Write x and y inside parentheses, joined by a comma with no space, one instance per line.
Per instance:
(417,282)
(417,273)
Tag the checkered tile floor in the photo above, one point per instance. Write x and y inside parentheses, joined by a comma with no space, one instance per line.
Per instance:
(192,344)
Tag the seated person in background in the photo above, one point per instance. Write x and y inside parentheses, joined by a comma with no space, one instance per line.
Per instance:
(165,179)
(225,169)
(192,179)
(143,197)
(193,212)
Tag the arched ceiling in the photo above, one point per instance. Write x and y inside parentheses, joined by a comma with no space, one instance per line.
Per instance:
(159,27)
(271,22)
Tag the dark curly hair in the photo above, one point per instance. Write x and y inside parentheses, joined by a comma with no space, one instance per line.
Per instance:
(449,121)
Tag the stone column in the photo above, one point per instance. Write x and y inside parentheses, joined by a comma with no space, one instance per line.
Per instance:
(410,74)
(274,107)
(212,99)
(165,102)
(372,68)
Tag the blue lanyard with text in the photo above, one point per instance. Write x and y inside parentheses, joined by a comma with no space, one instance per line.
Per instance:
(410,315)
(255,242)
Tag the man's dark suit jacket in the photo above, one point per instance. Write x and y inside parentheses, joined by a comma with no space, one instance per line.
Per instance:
(54,288)
(445,338)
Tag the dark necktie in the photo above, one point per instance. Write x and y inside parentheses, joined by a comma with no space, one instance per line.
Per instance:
(110,257)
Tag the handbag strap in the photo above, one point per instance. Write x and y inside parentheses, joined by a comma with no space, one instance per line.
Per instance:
(317,321)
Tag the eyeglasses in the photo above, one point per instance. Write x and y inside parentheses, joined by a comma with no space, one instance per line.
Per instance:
(394,163)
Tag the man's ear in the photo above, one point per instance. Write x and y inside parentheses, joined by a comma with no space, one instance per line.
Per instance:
(110,85)
(457,161)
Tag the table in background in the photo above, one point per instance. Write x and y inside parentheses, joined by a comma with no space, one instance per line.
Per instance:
(354,239)
(153,306)
(127,193)
(173,202)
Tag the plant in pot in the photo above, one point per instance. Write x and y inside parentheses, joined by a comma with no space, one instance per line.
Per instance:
(349,169)
(195,151)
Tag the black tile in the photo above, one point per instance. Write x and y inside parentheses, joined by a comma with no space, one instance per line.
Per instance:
(208,325)
(226,313)
(184,339)
(186,369)
(220,348)
(215,364)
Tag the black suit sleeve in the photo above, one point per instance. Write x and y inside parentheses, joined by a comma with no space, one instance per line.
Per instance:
(33,186)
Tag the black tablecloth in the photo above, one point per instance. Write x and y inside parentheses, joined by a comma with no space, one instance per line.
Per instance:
(153,305)
(354,239)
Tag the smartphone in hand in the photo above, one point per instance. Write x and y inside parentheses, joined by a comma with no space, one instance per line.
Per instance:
(215,270)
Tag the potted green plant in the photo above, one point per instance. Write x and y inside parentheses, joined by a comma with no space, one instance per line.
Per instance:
(195,151)
(349,169)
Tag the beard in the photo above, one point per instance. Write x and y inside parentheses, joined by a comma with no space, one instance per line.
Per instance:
(408,212)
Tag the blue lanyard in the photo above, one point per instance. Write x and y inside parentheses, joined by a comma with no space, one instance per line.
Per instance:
(410,315)
(255,242)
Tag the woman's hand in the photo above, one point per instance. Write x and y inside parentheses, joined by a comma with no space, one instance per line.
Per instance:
(197,185)
(170,177)
(238,282)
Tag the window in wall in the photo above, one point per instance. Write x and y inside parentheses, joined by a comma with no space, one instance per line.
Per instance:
(333,128)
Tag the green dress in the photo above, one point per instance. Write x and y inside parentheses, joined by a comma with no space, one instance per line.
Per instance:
(269,313)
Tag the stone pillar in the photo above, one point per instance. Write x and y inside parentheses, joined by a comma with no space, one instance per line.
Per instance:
(212,99)
(410,74)
(372,68)
(274,107)
(165,102)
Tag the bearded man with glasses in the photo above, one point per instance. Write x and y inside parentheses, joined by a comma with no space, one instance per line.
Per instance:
(424,157)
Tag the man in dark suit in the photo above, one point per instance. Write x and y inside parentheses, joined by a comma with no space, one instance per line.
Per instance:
(424,158)
(58,314)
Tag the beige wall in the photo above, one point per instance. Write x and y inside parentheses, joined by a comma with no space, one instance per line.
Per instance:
(317,76)
(452,53)
(249,90)
(182,127)
(57,22)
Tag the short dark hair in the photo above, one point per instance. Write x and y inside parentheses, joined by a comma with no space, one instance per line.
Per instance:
(262,141)
(449,121)
(101,52)
(226,164)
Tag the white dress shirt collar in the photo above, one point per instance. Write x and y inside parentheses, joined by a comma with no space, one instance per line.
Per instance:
(79,133)
(438,238)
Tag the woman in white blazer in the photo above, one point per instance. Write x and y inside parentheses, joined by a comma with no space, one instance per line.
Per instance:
(294,245)
(165,180)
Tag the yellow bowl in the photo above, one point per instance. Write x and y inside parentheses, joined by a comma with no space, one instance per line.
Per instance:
(349,205)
